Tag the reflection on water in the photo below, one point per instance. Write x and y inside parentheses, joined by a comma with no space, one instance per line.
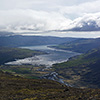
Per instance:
(54,56)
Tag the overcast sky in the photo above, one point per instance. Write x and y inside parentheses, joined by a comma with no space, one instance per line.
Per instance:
(44,15)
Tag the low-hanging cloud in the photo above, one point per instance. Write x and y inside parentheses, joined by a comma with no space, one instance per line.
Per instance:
(32,20)
(44,15)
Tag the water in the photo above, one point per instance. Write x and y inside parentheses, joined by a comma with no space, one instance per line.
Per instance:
(53,56)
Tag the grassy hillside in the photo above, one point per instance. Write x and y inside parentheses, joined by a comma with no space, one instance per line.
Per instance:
(80,45)
(27,71)
(81,71)
(9,54)
(17,88)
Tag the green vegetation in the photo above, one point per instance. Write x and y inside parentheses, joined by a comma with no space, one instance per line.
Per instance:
(9,54)
(26,71)
(81,71)
(80,45)
(18,88)
(22,82)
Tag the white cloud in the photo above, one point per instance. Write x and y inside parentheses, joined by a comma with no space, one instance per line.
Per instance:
(43,15)
(32,20)
(81,9)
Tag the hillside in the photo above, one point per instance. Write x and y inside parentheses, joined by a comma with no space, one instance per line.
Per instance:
(80,45)
(81,71)
(18,40)
(9,54)
(18,88)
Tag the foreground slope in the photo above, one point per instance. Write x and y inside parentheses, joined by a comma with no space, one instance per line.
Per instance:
(81,71)
(17,88)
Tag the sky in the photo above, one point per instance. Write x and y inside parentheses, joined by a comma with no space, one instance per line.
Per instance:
(47,15)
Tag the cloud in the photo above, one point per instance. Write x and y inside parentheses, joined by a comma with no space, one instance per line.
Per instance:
(81,9)
(32,20)
(44,15)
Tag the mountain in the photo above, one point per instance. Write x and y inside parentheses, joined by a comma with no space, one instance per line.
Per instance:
(18,40)
(18,88)
(81,45)
(86,26)
(3,33)
(82,70)
(89,22)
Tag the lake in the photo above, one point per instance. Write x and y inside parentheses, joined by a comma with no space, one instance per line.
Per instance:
(53,56)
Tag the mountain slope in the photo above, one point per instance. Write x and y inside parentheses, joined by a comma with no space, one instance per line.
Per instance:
(81,71)
(18,88)
(80,45)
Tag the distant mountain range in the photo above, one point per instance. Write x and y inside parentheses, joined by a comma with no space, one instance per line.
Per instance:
(18,40)
(5,33)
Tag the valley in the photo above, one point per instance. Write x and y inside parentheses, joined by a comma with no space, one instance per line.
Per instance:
(39,66)
(49,49)
(75,69)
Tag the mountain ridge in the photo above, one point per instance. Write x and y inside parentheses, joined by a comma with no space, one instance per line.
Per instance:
(18,40)
(80,45)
